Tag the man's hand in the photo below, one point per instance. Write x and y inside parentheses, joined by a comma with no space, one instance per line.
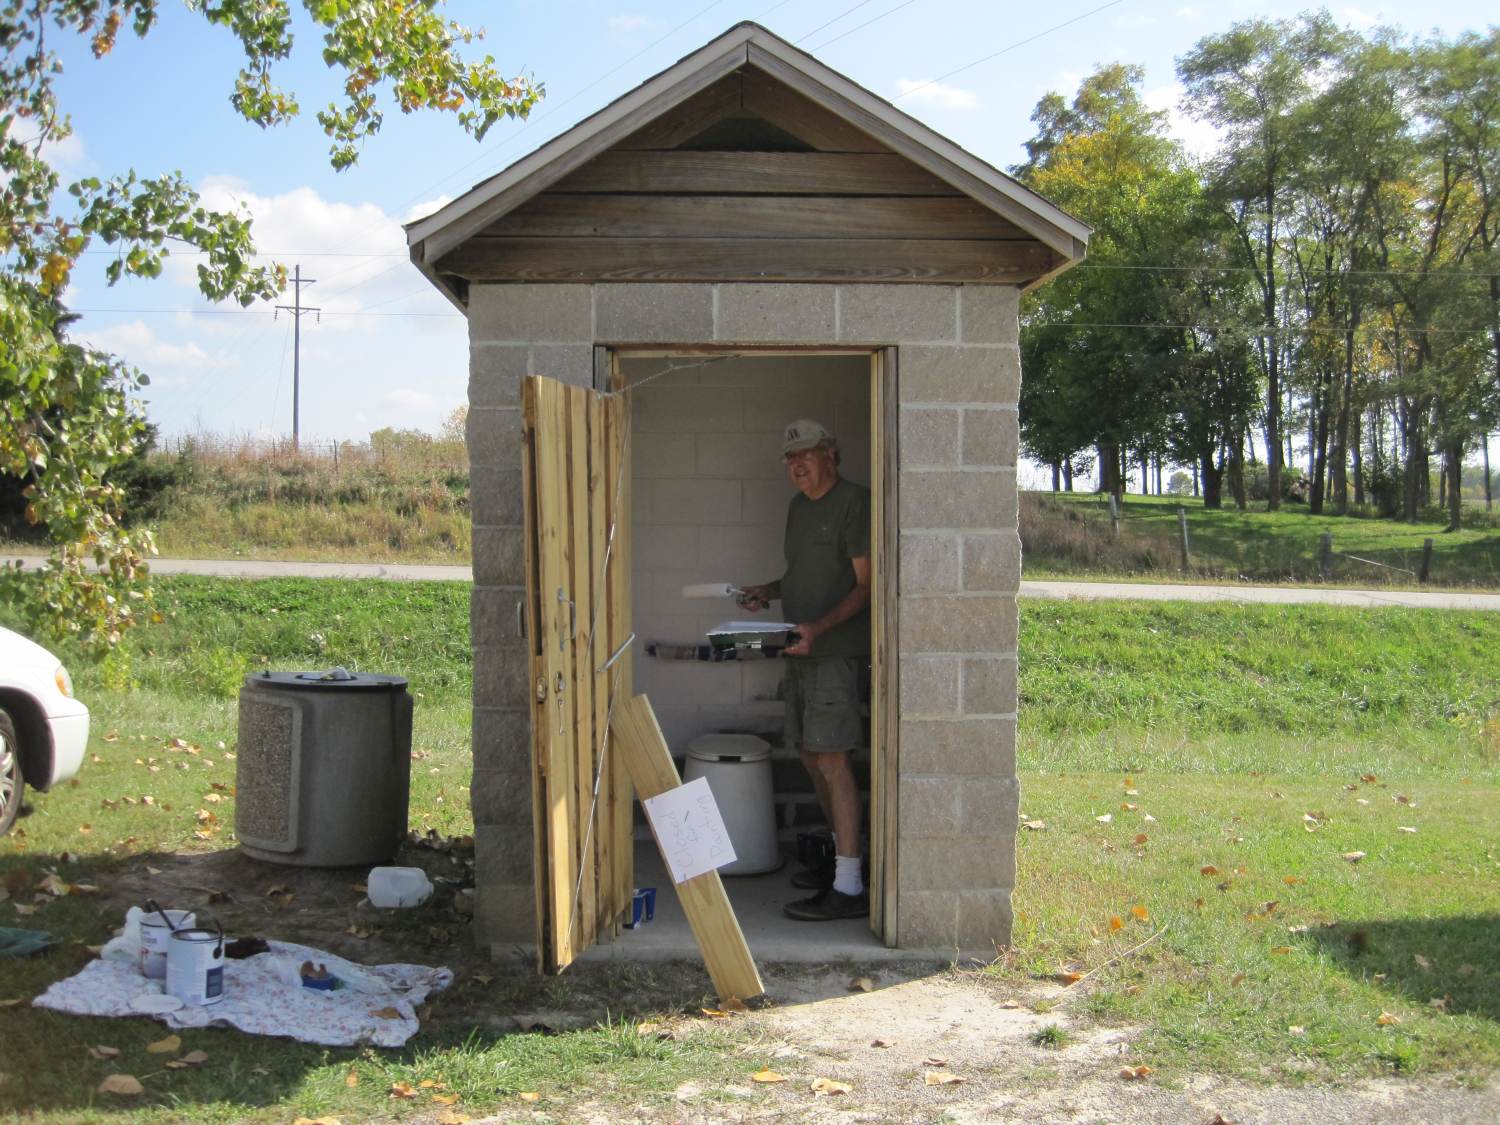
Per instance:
(806,635)
(754,598)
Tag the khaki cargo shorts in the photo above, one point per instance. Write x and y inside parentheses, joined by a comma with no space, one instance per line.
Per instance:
(822,703)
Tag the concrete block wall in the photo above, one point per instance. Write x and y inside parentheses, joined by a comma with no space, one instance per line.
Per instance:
(710,495)
(960,552)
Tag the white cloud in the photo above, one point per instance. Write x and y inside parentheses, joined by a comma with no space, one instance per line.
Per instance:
(1354,17)
(923,92)
(1188,13)
(408,399)
(1137,19)
(354,252)
(1199,137)
(66,155)
(136,343)
(426,207)
(622,25)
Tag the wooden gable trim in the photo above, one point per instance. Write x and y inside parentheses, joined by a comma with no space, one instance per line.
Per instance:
(432,237)
(920,145)
(804,77)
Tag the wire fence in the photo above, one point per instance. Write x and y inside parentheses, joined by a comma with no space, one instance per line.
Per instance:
(405,453)
(1100,535)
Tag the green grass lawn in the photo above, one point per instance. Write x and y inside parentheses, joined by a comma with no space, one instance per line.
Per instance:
(1225,727)
(1068,534)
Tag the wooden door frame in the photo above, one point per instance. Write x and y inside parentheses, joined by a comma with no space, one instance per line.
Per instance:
(885,694)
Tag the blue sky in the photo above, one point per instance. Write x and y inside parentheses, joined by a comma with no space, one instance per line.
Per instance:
(388,350)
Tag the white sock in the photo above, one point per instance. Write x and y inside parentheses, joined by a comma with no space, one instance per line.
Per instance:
(846,877)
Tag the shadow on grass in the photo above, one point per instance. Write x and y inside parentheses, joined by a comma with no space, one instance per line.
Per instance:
(1450,962)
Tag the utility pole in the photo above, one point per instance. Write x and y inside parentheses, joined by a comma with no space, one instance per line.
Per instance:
(297,308)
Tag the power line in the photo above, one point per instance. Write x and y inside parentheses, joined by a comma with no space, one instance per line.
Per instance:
(860,27)
(830,23)
(1007,50)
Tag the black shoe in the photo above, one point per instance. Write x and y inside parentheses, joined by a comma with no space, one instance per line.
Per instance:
(819,878)
(828,905)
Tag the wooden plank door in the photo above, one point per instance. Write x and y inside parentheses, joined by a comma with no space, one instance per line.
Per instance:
(578,617)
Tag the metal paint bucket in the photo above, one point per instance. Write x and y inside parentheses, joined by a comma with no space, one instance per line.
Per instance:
(155,936)
(195,966)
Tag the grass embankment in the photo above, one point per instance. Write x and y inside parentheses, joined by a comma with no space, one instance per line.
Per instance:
(1225,727)
(1069,535)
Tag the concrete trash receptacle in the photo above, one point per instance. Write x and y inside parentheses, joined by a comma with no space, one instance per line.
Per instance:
(738,769)
(323,771)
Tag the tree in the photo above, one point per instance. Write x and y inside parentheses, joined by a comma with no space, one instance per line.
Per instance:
(1250,82)
(67,415)
(1100,344)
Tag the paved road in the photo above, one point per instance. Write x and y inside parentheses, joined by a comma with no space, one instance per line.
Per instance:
(1141,591)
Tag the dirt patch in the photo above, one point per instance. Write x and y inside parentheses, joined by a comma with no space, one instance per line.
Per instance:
(814,1022)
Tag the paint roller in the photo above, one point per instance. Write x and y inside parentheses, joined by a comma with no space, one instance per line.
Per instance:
(712,590)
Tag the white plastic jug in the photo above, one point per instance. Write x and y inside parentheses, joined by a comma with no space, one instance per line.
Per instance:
(390,887)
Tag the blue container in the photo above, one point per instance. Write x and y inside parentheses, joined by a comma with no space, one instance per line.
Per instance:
(642,907)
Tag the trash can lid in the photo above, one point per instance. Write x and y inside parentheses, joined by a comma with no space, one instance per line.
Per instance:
(726,747)
(332,678)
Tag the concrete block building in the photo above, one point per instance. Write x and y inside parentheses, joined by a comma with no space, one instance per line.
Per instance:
(747,238)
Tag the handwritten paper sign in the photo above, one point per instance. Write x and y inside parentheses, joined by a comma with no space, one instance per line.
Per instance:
(689,830)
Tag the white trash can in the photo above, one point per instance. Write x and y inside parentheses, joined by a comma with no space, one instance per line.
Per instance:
(738,769)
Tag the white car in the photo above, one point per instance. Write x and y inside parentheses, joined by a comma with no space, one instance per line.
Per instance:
(43,729)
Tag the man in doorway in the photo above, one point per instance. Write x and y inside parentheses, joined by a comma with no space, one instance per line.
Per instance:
(826,591)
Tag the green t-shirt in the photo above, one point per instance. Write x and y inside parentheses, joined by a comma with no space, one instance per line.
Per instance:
(822,535)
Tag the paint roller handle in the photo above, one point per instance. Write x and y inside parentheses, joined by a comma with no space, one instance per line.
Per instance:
(152,907)
(712,590)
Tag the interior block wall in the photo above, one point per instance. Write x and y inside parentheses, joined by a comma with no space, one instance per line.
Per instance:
(959,381)
(710,498)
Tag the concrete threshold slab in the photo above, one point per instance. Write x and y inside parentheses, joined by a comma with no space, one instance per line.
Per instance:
(771,935)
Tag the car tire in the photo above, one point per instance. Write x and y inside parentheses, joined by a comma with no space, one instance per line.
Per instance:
(12,780)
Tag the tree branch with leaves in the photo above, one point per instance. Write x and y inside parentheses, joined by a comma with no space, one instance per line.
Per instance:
(69,414)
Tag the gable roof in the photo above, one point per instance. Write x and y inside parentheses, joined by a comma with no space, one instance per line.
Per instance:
(744,45)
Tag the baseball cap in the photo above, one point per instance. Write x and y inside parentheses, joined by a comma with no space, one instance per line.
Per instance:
(804,433)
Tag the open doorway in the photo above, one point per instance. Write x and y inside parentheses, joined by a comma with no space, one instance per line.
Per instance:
(709,498)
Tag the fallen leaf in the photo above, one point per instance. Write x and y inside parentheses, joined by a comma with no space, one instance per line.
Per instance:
(1134,1073)
(647,1028)
(452,1117)
(1128,807)
(1148,818)
(53,886)
(1386,1019)
(767,1076)
(530,1096)
(112,736)
(935,1060)
(1281,950)
(828,1087)
(165,1046)
(1404,828)
(192,1058)
(942,1078)
(102,1052)
(1440,1003)
(1140,838)
(317,1121)
(1466,970)
(1368,778)
(1296,1029)
(714,1013)
(1208,869)
(861,984)
(1116,923)
(1360,801)
(733,1004)
(122,1084)
(1352,857)
(1105,819)
(1423,963)
(351,1079)
(882,1042)
(1290,880)
(1070,977)
(386,1013)
(445,1099)
(429,1084)
(403,1090)
(1236,980)
(1034,825)
(1140,913)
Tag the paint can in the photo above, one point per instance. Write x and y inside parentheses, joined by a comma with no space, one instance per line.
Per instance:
(195,965)
(642,907)
(155,936)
